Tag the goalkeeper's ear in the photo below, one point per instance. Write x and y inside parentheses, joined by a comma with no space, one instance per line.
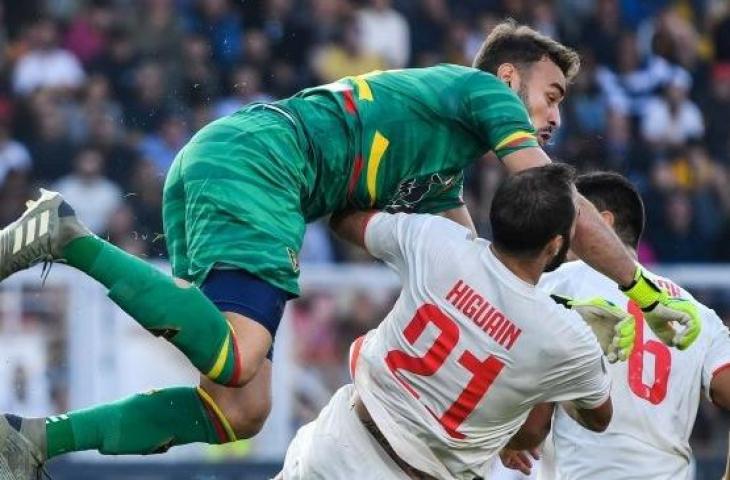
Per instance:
(608,217)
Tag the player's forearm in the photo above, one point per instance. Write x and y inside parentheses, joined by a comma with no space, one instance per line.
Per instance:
(350,225)
(596,420)
(597,244)
(535,429)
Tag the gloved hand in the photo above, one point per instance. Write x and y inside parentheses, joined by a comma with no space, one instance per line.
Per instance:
(661,310)
(614,328)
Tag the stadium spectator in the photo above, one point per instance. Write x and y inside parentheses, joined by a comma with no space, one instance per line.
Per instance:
(672,119)
(345,57)
(221,25)
(145,200)
(95,196)
(429,26)
(161,146)
(679,234)
(715,109)
(118,63)
(289,35)
(49,141)
(200,81)
(601,31)
(159,31)
(86,36)
(385,32)
(45,64)
(636,79)
(244,88)
(152,101)
(14,157)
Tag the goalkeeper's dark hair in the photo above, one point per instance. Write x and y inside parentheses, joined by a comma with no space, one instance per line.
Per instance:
(520,45)
(612,192)
(531,207)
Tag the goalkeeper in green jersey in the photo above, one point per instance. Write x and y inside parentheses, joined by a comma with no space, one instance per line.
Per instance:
(236,202)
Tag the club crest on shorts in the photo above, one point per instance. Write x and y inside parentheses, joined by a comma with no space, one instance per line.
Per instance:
(294,259)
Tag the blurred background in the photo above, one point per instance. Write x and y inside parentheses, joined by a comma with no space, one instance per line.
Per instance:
(97,96)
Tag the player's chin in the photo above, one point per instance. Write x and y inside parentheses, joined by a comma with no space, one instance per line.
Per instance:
(543,138)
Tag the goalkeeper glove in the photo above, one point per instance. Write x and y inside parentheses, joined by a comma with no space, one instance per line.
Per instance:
(660,310)
(614,328)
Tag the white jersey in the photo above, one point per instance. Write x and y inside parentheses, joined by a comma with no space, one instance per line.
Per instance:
(655,393)
(467,351)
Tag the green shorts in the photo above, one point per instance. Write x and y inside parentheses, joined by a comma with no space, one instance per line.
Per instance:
(232,199)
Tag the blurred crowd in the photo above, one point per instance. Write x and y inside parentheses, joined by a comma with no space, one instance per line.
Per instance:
(97,96)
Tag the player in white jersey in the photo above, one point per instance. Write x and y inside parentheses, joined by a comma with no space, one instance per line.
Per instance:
(656,393)
(469,348)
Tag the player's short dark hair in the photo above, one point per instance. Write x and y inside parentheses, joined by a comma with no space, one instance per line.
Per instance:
(612,192)
(531,207)
(520,45)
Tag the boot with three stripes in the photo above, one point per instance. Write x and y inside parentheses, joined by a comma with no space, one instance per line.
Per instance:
(40,234)
(22,448)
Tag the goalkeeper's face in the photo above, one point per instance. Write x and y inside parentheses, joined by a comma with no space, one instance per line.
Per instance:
(541,86)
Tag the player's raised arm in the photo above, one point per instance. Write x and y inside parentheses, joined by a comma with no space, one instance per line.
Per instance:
(594,419)
(461,216)
(350,225)
(394,237)
(515,110)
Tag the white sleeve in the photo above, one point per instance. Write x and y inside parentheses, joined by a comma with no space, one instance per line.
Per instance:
(580,374)
(717,356)
(396,238)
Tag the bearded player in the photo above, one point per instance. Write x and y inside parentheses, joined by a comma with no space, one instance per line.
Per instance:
(469,347)
(236,201)
(656,393)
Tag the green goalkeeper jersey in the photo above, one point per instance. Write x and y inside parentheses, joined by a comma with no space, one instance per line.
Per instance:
(399,140)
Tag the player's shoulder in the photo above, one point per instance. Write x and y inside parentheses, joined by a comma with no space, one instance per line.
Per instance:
(578,279)
(560,275)
(569,334)
(710,319)
(424,228)
(473,78)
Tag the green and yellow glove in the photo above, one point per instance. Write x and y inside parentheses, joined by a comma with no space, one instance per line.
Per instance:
(661,310)
(614,328)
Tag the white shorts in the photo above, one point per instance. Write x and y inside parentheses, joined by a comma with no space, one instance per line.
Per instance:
(337,446)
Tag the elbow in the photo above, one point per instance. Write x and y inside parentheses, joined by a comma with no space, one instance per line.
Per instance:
(720,387)
(597,420)
(600,422)
(599,426)
(721,398)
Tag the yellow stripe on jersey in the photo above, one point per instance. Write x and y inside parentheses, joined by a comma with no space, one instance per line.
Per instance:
(377,150)
(515,137)
(363,89)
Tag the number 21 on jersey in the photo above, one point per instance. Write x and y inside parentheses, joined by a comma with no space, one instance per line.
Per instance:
(483,372)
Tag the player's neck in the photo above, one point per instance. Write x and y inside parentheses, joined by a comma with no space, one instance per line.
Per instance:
(526,270)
